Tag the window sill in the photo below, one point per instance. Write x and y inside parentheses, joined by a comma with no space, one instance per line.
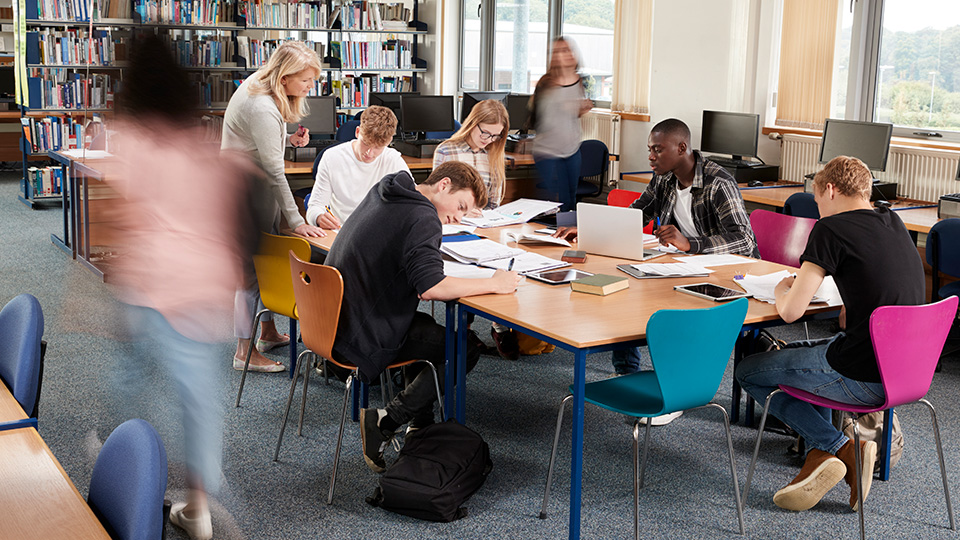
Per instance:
(636,117)
(899,141)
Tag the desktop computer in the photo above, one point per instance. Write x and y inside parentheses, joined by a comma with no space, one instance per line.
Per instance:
(424,115)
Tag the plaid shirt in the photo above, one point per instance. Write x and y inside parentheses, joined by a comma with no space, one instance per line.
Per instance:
(717,208)
(450,151)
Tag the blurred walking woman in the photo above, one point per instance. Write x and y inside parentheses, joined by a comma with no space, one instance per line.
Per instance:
(255,122)
(480,142)
(558,103)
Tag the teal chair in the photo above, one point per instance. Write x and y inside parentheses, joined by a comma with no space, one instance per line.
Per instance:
(687,368)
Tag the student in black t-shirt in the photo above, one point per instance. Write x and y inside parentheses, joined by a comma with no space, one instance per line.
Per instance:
(875,263)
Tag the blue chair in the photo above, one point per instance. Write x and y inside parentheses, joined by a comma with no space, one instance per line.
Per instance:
(943,255)
(128,483)
(686,375)
(443,134)
(21,354)
(347,130)
(594,161)
(801,205)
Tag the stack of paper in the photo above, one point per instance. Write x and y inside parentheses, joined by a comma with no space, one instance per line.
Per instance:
(479,251)
(527,262)
(528,238)
(676,269)
(762,287)
(518,211)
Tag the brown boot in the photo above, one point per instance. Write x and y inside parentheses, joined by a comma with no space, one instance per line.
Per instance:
(821,471)
(868,455)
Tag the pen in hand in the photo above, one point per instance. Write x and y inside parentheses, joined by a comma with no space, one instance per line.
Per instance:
(510,266)
(656,223)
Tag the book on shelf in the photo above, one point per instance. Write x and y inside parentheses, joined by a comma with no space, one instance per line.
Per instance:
(45,181)
(600,284)
(198,12)
(253,52)
(288,14)
(388,54)
(203,51)
(378,16)
(51,133)
(65,89)
(75,47)
(354,90)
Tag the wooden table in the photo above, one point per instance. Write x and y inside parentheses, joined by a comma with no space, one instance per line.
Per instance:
(11,414)
(38,500)
(586,324)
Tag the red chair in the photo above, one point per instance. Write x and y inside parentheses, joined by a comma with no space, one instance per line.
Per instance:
(623,198)
(907,341)
(781,238)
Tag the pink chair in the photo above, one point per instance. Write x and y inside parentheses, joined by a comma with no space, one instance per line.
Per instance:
(781,238)
(907,341)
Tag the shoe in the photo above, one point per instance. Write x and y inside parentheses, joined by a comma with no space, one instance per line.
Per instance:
(485,350)
(868,454)
(264,345)
(374,439)
(268,368)
(661,420)
(199,528)
(507,344)
(821,471)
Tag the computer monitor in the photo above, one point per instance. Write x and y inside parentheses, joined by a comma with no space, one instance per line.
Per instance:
(867,141)
(322,119)
(518,111)
(390,100)
(426,113)
(730,133)
(472,98)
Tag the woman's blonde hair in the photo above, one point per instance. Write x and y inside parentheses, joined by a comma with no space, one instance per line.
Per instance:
(488,111)
(289,59)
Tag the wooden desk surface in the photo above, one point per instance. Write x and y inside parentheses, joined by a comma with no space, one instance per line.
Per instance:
(10,410)
(38,500)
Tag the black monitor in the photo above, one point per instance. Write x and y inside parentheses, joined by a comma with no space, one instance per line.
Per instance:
(322,119)
(472,98)
(390,100)
(426,113)
(730,133)
(518,111)
(867,141)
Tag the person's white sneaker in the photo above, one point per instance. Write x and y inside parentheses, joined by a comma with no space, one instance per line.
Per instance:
(661,420)
(199,528)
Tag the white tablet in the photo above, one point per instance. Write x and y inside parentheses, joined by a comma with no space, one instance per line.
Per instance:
(558,276)
(711,291)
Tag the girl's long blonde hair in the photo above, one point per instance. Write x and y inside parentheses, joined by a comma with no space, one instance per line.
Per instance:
(489,111)
(289,59)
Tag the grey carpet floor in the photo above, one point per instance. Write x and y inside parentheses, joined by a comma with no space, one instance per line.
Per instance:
(512,404)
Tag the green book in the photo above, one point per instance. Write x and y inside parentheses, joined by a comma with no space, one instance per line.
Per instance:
(601,284)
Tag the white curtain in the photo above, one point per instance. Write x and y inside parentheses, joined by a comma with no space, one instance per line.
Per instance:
(632,39)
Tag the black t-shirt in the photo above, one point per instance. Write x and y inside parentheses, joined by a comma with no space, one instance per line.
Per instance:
(875,263)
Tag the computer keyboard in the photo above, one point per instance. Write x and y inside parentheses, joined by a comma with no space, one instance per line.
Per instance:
(323,143)
(733,163)
(422,142)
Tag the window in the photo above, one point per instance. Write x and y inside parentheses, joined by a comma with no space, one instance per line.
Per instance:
(520,45)
(470,46)
(590,24)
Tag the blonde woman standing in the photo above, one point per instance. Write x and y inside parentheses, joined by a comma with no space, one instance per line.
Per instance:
(480,142)
(256,122)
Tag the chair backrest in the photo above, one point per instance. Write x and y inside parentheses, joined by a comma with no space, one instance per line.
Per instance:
(781,238)
(129,481)
(943,246)
(316,163)
(21,330)
(801,205)
(690,349)
(443,134)
(594,158)
(622,197)
(273,271)
(347,130)
(907,341)
(319,293)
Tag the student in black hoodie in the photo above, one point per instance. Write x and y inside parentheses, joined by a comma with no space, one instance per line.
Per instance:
(389,255)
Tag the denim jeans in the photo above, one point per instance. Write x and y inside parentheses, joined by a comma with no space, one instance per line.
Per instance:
(561,176)
(626,361)
(803,365)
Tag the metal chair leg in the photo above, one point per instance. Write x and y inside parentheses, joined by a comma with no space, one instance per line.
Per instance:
(303,398)
(286,412)
(436,384)
(553,457)
(250,346)
(756,448)
(733,465)
(856,461)
(636,478)
(943,468)
(383,387)
(646,448)
(343,420)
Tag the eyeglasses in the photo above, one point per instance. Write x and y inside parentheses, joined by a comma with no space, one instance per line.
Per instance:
(487,136)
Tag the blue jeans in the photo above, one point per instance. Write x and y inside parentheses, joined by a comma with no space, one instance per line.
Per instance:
(561,176)
(803,365)
(626,361)
(191,365)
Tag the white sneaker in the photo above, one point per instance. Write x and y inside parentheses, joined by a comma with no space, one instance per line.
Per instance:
(661,420)
(199,528)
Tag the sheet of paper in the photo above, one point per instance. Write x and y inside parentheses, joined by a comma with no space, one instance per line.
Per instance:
(456,229)
(762,287)
(527,262)
(719,259)
(470,271)
(518,211)
(677,269)
(527,238)
(80,153)
(479,251)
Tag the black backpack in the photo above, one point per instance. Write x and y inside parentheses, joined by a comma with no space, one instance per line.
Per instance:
(439,467)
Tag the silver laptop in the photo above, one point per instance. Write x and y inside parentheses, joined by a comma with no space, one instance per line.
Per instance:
(612,231)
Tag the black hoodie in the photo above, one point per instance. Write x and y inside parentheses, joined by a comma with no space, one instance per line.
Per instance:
(388,253)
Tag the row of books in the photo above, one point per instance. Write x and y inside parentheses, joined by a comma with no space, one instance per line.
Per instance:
(200,12)
(212,128)
(354,91)
(389,54)
(51,133)
(112,9)
(75,47)
(61,10)
(214,89)
(203,51)
(45,181)
(364,15)
(62,89)
(277,14)
(255,52)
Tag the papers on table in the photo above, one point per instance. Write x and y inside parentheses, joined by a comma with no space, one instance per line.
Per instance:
(460,270)
(518,211)
(761,287)
(719,259)
(528,238)
(675,269)
(479,251)
(527,262)
(80,153)
(457,229)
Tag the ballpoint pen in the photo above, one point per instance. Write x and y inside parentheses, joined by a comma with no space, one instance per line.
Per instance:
(510,266)
(656,223)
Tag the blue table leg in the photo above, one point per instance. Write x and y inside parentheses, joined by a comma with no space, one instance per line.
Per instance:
(885,444)
(735,393)
(293,347)
(17,424)
(576,447)
(451,359)
(461,373)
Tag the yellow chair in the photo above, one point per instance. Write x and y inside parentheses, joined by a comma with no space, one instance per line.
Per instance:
(272,264)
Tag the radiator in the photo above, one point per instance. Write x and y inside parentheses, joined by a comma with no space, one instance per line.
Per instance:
(922,173)
(604,126)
